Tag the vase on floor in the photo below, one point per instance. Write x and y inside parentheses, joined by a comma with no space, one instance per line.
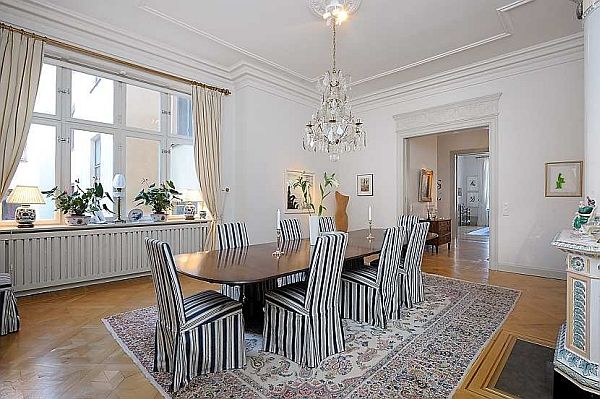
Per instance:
(313,228)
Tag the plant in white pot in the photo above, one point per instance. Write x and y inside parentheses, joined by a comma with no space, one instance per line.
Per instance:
(79,203)
(160,198)
(329,181)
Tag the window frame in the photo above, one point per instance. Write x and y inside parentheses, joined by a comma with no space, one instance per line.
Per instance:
(65,126)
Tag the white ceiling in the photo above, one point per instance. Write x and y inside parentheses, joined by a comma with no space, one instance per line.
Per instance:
(385,42)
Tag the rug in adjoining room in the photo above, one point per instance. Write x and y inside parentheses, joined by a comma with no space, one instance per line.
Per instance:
(424,355)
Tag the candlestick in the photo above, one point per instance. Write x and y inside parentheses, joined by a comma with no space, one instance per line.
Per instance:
(278,219)
(278,252)
(370,236)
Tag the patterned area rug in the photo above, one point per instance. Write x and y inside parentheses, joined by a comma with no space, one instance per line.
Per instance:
(424,355)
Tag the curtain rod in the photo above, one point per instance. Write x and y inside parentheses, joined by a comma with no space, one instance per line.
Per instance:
(71,47)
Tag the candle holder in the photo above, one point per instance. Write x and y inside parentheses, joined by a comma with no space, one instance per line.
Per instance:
(370,236)
(278,252)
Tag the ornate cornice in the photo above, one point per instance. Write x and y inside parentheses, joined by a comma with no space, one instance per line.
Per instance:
(589,6)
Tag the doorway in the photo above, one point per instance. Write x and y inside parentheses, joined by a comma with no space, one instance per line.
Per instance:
(472,196)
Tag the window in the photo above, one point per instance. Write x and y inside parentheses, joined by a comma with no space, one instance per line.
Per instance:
(91,97)
(143,108)
(88,126)
(36,168)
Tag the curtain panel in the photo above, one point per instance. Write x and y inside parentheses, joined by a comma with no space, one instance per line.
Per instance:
(20,68)
(207,109)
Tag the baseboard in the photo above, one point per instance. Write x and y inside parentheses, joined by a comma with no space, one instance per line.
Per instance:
(532,271)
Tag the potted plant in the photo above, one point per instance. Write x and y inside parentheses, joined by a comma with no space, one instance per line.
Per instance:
(160,198)
(313,220)
(77,204)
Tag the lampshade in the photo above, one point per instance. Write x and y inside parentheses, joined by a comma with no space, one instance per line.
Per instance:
(28,195)
(191,196)
(119,181)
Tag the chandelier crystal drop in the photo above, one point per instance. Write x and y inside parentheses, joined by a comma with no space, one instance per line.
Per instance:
(333,129)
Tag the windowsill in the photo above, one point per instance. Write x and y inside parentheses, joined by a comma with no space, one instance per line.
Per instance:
(63,227)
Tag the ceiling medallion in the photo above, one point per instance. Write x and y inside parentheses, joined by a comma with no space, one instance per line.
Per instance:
(333,129)
(322,7)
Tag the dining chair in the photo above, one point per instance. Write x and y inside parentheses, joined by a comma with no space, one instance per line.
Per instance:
(326,224)
(9,314)
(232,235)
(368,292)
(408,221)
(302,320)
(410,285)
(200,334)
(291,231)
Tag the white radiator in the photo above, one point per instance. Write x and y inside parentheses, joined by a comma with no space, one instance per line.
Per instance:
(43,259)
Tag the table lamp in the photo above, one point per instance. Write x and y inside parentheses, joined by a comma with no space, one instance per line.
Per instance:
(118,185)
(25,196)
(191,196)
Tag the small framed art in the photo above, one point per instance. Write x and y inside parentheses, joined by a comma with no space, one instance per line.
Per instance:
(564,179)
(364,185)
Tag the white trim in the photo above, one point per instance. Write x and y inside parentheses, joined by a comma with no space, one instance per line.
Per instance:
(532,271)
(471,113)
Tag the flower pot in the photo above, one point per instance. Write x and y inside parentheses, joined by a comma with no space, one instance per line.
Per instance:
(159,217)
(77,220)
(313,228)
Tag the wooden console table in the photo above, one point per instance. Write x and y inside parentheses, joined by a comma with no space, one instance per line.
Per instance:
(443,228)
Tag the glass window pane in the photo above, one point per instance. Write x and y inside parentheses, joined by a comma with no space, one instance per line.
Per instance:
(36,168)
(143,164)
(181,116)
(183,172)
(92,160)
(92,97)
(45,101)
(142,108)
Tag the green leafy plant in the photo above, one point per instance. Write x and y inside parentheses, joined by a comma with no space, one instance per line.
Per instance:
(79,201)
(304,185)
(160,198)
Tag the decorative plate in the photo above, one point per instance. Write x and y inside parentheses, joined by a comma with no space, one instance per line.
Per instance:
(135,215)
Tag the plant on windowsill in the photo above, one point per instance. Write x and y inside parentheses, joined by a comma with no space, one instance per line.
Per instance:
(160,198)
(77,204)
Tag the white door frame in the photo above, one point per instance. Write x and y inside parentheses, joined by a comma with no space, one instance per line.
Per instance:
(471,113)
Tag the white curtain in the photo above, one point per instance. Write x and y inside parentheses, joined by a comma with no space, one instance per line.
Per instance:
(485,201)
(20,68)
(206,105)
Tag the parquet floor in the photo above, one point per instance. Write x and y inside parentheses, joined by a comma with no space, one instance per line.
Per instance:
(64,351)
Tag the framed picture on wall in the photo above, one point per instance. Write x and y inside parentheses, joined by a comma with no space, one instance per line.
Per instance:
(425,185)
(295,202)
(472,183)
(564,179)
(364,185)
(472,199)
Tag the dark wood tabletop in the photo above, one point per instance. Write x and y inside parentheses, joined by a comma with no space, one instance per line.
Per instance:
(255,263)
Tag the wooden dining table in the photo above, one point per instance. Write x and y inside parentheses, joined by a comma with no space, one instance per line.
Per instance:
(255,264)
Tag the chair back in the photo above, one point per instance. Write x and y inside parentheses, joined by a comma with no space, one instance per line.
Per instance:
(232,235)
(416,246)
(408,221)
(290,229)
(166,284)
(325,275)
(390,262)
(326,224)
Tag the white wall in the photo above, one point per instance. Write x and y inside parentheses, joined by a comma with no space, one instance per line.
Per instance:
(540,120)
(268,138)
(422,154)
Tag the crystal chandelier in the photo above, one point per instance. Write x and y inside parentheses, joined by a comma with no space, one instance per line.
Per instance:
(333,129)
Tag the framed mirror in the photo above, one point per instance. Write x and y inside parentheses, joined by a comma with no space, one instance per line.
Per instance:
(425,185)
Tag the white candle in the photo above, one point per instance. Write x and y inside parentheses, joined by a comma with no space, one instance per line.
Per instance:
(370,214)
(278,219)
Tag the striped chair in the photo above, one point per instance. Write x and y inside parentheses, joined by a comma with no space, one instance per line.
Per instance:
(302,320)
(411,282)
(368,291)
(326,224)
(291,230)
(232,235)
(9,314)
(201,334)
(408,221)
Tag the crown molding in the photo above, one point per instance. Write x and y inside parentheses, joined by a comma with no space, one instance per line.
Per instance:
(544,55)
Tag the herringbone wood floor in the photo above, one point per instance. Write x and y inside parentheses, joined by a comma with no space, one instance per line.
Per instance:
(64,351)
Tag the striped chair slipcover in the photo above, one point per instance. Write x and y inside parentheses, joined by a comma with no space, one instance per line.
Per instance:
(9,314)
(408,221)
(368,292)
(326,224)
(201,334)
(290,231)
(411,282)
(302,320)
